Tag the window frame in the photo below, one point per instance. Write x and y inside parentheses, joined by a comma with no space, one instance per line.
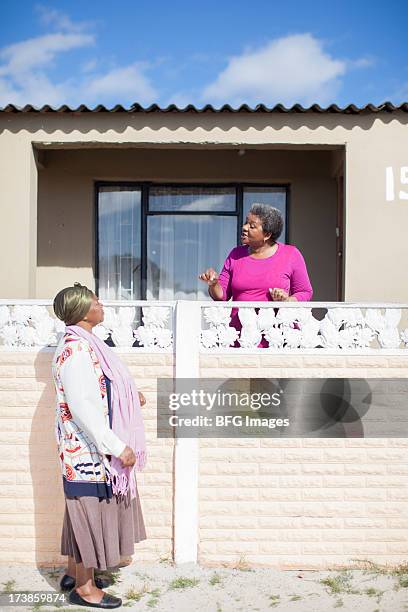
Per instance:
(144,186)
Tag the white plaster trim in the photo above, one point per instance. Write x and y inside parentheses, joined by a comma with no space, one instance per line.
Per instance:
(344,328)
(31,324)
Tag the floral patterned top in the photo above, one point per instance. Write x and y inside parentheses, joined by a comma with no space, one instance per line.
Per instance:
(82,421)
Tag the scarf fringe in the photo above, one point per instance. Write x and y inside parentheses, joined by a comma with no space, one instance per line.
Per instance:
(141,458)
(120,482)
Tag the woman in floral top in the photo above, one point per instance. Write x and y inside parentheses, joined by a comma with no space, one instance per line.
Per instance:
(100,436)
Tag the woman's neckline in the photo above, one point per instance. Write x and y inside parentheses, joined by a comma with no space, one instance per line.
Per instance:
(264,258)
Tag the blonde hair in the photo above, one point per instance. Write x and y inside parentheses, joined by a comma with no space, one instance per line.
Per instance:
(72,303)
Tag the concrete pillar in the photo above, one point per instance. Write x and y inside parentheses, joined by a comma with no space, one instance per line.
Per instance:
(186,460)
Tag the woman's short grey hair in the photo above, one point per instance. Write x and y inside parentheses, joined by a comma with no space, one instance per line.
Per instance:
(271,219)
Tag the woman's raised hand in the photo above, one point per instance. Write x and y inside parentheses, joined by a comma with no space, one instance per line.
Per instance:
(210,277)
(127,457)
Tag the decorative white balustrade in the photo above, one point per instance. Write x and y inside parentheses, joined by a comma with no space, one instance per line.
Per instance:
(32,323)
(287,327)
(296,326)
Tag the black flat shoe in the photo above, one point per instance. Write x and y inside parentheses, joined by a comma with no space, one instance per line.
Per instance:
(68,583)
(108,601)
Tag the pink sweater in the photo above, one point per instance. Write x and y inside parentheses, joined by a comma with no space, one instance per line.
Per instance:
(247,279)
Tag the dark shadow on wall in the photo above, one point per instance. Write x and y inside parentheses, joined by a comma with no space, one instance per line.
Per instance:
(48,497)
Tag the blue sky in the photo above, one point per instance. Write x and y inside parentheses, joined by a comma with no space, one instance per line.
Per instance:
(209,52)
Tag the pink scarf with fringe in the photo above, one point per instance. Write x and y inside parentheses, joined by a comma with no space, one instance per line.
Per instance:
(127,421)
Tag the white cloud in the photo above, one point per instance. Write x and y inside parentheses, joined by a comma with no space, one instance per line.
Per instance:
(362,62)
(39,52)
(180,99)
(126,82)
(290,69)
(23,69)
(55,18)
(25,77)
(36,89)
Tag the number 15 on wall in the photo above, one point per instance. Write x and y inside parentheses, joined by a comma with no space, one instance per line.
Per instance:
(402,178)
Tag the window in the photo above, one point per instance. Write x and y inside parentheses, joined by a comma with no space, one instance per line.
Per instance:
(180,246)
(274,196)
(154,240)
(119,241)
(189,199)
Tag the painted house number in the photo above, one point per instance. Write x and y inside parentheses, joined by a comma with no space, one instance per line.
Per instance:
(390,183)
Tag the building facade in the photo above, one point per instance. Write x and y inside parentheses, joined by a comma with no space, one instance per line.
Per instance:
(136,202)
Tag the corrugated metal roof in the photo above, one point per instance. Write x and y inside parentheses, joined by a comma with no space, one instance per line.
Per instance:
(352,109)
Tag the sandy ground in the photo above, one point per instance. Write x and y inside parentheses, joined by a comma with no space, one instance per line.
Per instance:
(190,588)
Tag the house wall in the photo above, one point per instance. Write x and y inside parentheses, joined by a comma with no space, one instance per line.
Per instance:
(66,194)
(375,229)
(303,503)
(18,201)
(281,503)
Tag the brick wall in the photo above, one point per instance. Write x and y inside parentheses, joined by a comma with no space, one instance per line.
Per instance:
(303,503)
(285,503)
(31,497)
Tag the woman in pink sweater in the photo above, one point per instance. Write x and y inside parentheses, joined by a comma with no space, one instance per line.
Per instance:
(262,269)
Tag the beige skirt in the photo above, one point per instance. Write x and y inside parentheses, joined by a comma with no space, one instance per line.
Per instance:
(98,532)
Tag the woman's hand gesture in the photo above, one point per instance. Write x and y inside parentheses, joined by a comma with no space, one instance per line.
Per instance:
(210,277)
(278,295)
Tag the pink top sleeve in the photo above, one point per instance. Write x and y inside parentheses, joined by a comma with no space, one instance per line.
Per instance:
(225,278)
(300,286)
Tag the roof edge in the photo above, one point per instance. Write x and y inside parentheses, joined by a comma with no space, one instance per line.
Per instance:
(350,109)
